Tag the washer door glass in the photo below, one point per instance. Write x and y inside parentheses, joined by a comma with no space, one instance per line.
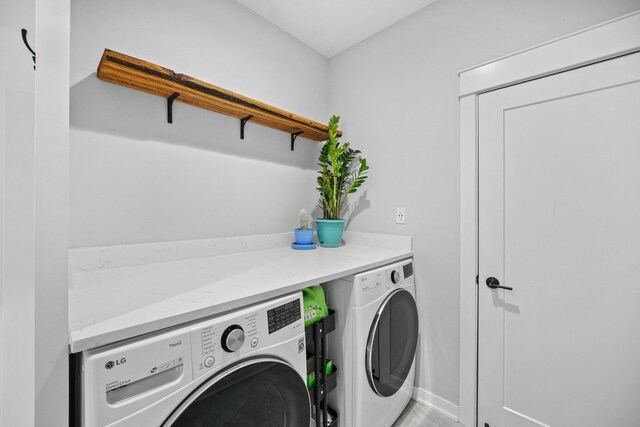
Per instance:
(392,343)
(260,392)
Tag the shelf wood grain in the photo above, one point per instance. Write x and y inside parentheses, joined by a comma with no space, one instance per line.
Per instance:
(142,75)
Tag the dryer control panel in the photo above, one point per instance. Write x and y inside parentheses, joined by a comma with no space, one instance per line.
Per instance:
(371,285)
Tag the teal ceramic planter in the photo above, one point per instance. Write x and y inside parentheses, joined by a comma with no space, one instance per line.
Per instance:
(330,232)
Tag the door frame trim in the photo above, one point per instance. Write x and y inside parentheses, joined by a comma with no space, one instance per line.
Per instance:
(614,38)
(603,41)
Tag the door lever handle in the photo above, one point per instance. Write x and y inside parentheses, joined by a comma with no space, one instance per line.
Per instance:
(494,283)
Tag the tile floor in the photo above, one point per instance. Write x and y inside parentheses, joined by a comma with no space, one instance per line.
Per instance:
(419,415)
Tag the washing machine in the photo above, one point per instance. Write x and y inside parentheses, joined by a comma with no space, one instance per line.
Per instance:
(245,368)
(375,342)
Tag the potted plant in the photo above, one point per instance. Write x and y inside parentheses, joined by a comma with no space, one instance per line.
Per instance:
(304,234)
(342,172)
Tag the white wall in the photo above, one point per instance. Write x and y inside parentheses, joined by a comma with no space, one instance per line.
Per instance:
(135,178)
(52,213)
(17,239)
(397,92)
(34,141)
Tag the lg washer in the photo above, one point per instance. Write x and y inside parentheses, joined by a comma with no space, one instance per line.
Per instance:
(246,368)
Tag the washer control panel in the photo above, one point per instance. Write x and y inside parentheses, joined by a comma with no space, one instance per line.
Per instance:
(407,270)
(220,339)
(395,276)
(226,338)
(232,338)
(283,315)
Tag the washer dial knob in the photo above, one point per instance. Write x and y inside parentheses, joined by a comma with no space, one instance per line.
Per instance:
(232,338)
(395,276)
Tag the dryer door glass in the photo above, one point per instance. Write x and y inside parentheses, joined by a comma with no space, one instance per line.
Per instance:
(392,343)
(260,392)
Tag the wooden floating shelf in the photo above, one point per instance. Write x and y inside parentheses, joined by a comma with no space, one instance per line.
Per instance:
(151,78)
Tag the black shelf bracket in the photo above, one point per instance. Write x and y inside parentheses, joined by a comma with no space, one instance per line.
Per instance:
(170,106)
(26,43)
(243,122)
(293,138)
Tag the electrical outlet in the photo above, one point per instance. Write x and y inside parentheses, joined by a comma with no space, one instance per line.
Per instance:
(400,215)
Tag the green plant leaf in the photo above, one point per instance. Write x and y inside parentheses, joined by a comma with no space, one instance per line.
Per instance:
(339,173)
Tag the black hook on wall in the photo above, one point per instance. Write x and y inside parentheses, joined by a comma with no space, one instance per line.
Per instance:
(170,106)
(26,43)
(293,138)
(243,122)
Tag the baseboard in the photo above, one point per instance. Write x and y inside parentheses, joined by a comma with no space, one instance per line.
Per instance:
(439,404)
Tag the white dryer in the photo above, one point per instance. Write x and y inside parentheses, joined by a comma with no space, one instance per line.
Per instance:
(375,343)
(246,368)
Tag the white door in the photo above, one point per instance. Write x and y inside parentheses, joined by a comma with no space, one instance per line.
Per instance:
(559,222)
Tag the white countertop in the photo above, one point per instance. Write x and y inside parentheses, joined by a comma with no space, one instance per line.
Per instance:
(122,292)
